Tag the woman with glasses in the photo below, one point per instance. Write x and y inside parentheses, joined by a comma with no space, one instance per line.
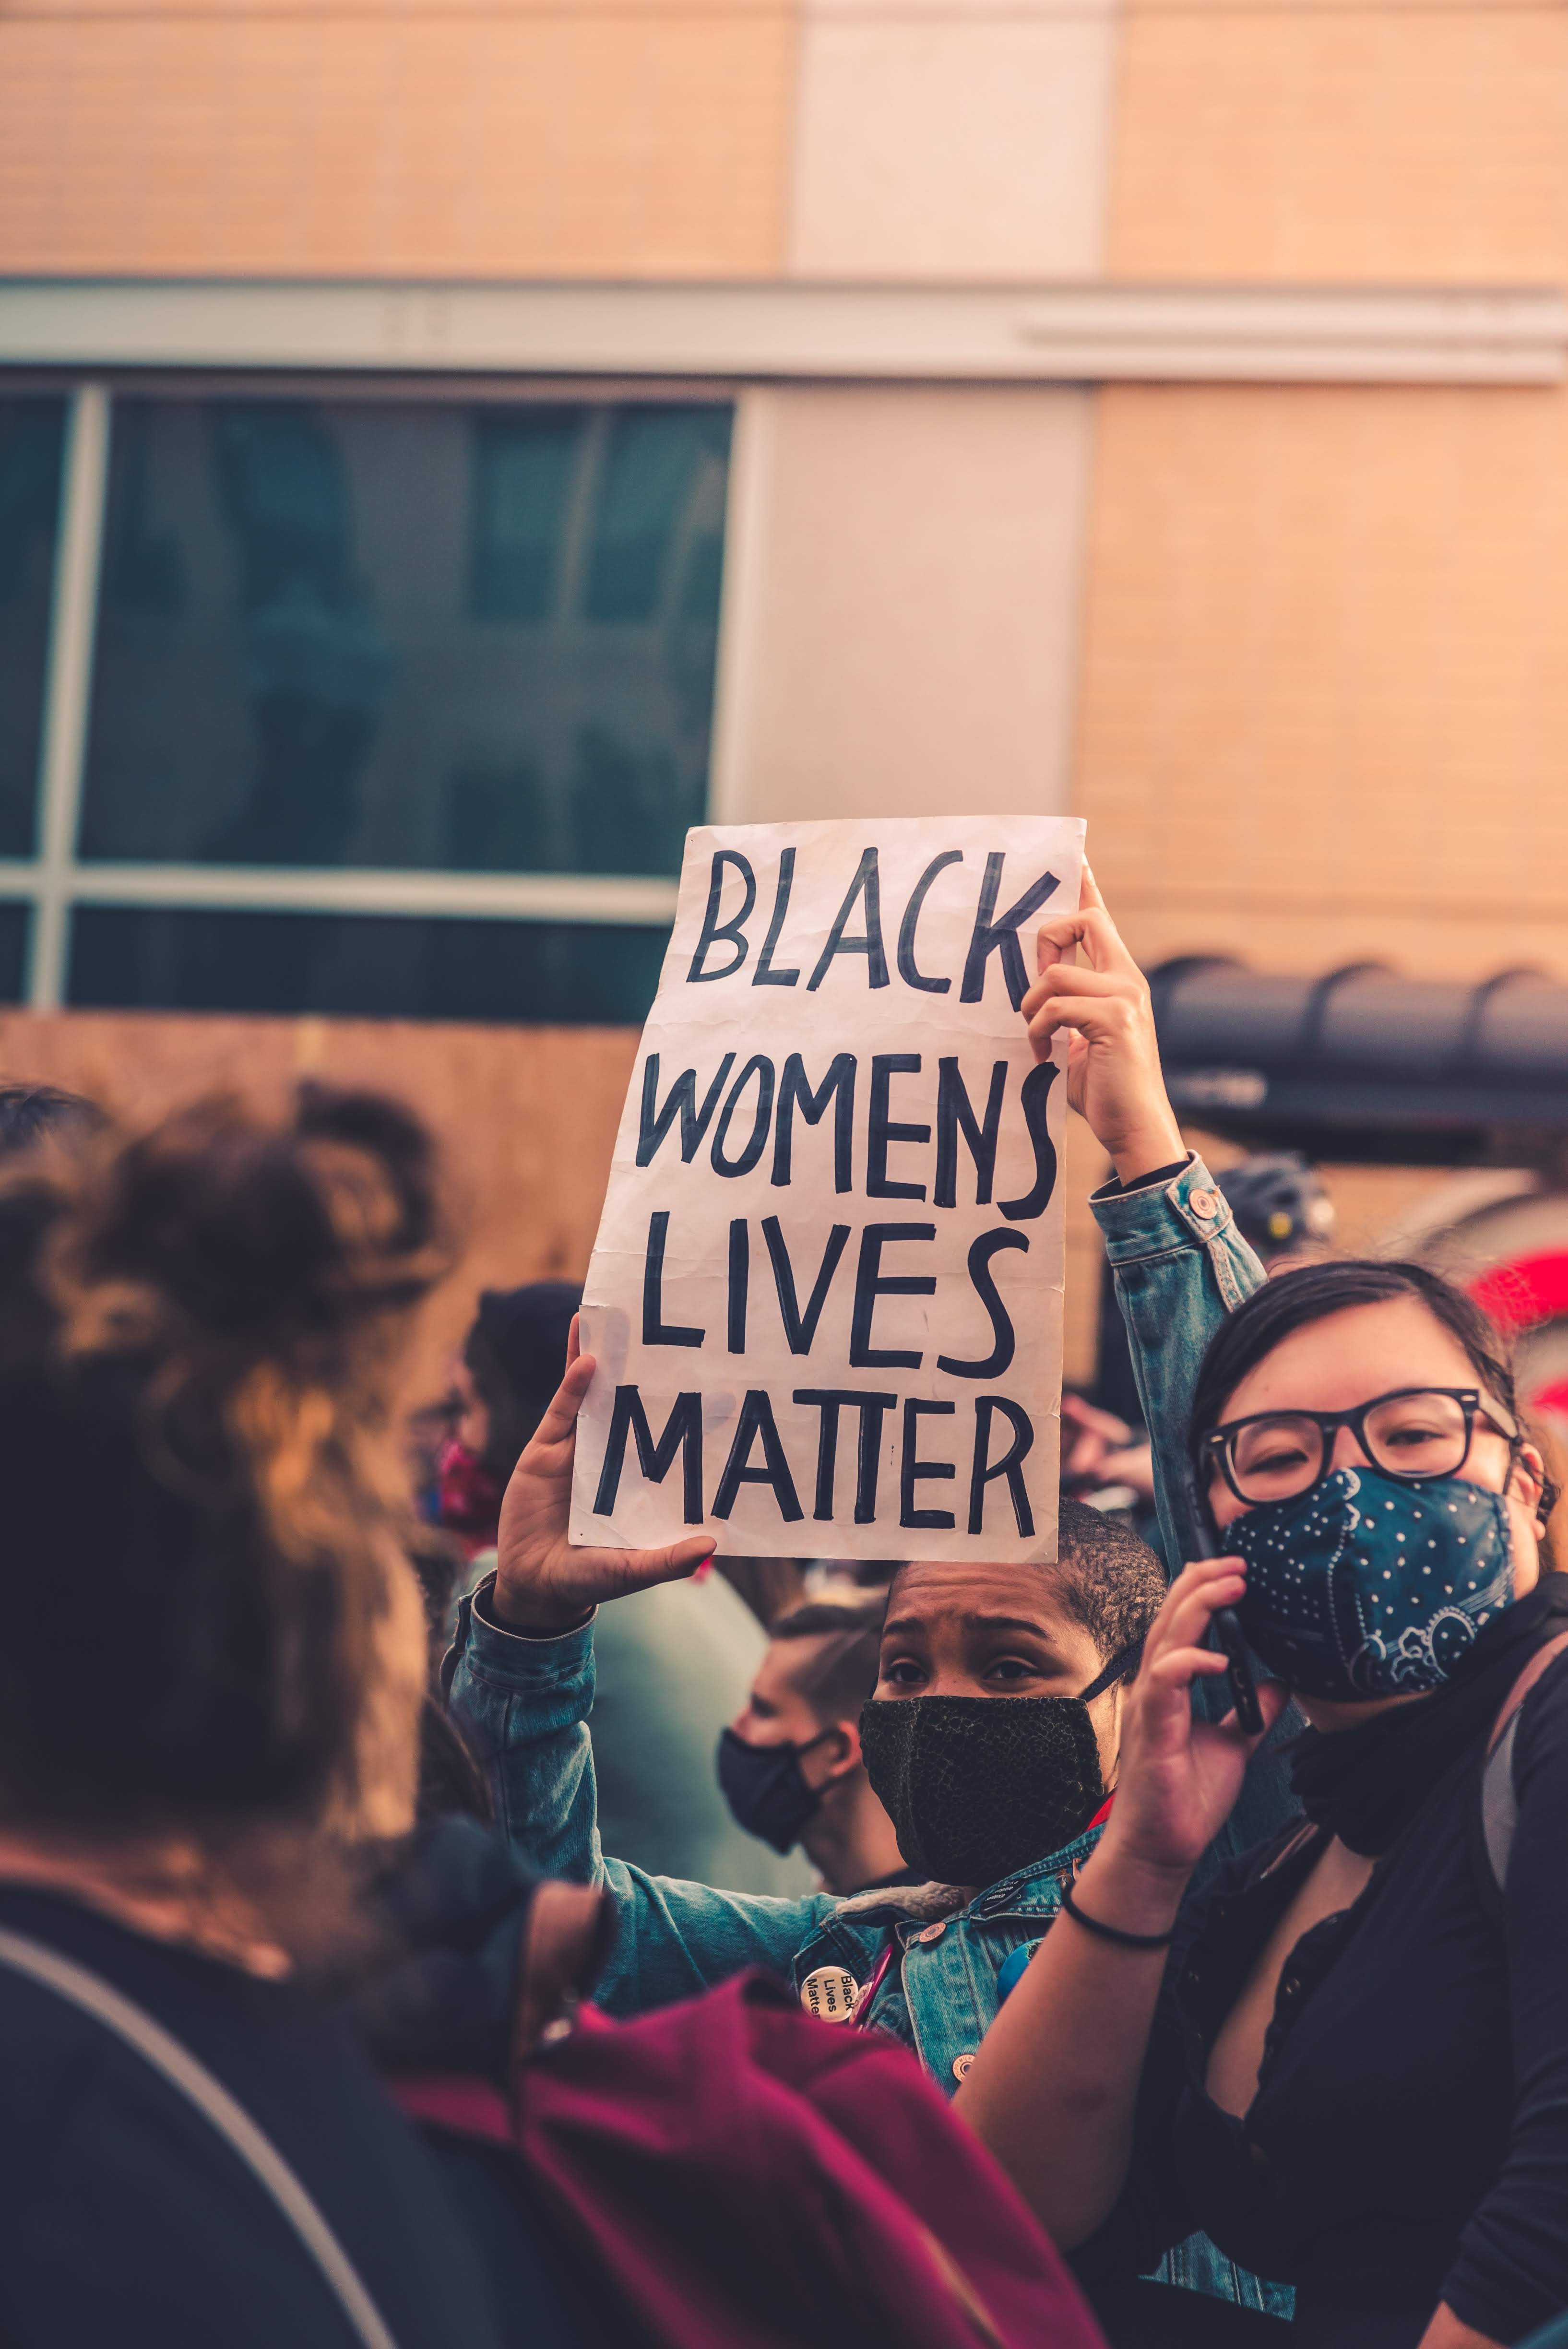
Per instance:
(1345,2058)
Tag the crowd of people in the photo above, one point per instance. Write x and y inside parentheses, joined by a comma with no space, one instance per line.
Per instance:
(370,1972)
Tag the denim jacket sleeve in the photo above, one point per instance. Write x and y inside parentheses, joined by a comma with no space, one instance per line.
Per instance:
(1180,1266)
(523,1706)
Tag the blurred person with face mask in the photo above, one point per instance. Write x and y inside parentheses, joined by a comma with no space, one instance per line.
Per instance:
(501,1384)
(790,1764)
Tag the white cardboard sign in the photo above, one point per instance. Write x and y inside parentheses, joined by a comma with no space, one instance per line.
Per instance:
(826,1297)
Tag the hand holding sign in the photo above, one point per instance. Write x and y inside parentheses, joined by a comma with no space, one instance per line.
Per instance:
(1114,1077)
(826,1297)
(542,1584)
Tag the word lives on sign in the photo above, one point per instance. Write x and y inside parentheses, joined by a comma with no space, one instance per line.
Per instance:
(826,1297)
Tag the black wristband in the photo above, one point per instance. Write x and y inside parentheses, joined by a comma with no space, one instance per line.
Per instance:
(1115,1932)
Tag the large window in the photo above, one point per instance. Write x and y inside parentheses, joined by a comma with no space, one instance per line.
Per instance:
(353,705)
(31,432)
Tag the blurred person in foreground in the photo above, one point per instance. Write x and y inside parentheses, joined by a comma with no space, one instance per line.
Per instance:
(790,1764)
(673,1665)
(198,1328)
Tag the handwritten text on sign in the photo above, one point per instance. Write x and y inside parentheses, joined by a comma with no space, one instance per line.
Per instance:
(825,1297)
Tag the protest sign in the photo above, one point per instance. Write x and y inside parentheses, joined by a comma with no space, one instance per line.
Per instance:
(825,1297)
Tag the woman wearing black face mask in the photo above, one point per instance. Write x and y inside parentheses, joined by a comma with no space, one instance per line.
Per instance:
(1347,2061)
(979,1740)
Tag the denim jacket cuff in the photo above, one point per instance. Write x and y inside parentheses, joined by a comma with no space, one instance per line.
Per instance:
(517,1660)
(1190,1211)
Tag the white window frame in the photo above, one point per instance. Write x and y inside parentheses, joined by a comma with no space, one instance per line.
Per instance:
(54,883)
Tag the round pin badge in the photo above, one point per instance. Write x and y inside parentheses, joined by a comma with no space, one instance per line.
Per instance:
(829,1994)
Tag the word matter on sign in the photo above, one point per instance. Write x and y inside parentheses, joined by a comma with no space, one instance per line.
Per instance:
(825,1297)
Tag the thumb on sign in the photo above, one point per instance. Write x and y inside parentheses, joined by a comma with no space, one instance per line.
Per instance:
(542,1584)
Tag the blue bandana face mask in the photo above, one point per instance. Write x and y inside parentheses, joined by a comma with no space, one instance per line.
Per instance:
(1364,1585)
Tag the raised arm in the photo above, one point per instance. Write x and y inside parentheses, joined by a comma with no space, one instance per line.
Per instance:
(1054,2087)
(1179,1261)
(519,1679)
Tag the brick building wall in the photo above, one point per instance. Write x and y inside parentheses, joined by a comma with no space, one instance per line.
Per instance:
(1295,651)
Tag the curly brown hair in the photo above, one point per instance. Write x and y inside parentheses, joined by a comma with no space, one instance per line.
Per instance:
(200,1326)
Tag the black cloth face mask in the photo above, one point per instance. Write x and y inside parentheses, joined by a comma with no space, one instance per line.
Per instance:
(979,1787)
(766,1788)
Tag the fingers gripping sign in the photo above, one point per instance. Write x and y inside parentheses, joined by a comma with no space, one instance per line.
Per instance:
(1091,992)
(541,1580)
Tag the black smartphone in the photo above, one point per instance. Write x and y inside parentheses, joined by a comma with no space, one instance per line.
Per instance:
(1232,1641)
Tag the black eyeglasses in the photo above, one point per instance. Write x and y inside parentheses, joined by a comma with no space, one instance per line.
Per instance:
(1415,1432)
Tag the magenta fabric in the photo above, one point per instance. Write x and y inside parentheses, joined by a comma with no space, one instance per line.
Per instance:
(744,2175)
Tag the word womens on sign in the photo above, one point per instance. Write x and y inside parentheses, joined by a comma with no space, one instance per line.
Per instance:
(825,1297)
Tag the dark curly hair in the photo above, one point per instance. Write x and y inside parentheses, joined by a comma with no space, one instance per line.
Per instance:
(199,1329)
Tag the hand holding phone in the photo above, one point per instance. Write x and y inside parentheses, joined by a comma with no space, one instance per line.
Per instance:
(1232,1641)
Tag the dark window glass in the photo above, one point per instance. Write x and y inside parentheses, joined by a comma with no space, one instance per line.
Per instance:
(368,966)
(32,435)
(16,923)
(385,634)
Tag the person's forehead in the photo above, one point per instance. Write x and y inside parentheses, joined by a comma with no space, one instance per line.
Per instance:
(1348,1357)
(940,1594)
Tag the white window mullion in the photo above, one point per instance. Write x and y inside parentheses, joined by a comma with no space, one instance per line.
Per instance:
(69,687)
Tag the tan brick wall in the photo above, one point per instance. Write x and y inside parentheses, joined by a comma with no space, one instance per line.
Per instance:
(1324,704)
(257,138)
(1307,139)
(526,1117)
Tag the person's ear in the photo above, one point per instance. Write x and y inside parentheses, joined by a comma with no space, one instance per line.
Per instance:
(1530,1472)
(1106,1714)
(840,1752)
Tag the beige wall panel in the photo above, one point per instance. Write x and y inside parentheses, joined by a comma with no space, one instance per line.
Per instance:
(963,145)
(1324,707)
(1351,143)
(901,592)
(526,1116)
(641,141)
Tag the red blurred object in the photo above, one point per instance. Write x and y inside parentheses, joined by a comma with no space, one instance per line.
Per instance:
(739,2173)
(1526,1292)
(468,1493)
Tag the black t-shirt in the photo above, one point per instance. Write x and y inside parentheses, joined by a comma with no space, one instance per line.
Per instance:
(125,2219)
(1408,2140)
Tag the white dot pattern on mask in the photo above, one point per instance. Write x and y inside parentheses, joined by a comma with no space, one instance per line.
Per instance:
(1332,1603)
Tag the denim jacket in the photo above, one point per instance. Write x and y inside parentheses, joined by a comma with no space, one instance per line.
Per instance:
(523,1706)
(1180,1266)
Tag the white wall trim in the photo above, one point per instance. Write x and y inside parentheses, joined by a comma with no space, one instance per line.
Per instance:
(742,608)
(471,897)
(67,693)
(1092,331)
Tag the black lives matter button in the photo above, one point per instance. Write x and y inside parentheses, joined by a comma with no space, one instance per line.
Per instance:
(829,1994)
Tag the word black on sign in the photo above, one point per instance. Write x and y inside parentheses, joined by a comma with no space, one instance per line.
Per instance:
(825,1297)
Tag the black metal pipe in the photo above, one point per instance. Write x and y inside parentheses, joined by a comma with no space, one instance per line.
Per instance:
(1362,1064)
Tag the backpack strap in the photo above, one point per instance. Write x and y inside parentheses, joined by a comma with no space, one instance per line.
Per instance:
(80,1987)
(1499,1800)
